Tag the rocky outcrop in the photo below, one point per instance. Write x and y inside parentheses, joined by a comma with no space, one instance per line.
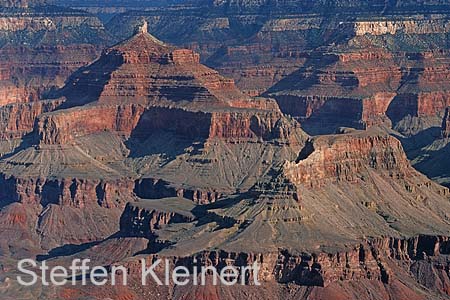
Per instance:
(347,89)
(142,86)
(446,124)
(270,54)
(71,192)
(16,120)
(237,126)
(343,157)
(141,219)
(381,89)
(373,260)
(176,76)
(63,127)
(59,212)
(369,65)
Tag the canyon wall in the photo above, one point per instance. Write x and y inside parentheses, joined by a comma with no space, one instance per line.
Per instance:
(390,52)
(30,73)
(42,45)
(139,220)
(12,24)
(16,120)
(76,193)
(64,126)
(377,260)
(342,157)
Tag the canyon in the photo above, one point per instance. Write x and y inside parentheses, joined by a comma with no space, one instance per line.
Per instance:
(42,45)
(328,65)
(383,248)
(59,163)
(309,137)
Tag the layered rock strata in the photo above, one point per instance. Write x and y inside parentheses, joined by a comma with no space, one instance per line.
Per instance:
(41,46)
(303,242)
(343,158)
(132,115)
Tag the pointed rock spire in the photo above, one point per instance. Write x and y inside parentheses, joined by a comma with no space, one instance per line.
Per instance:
(143,28)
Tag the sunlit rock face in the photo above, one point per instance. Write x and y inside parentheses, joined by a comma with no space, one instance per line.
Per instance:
(140,150)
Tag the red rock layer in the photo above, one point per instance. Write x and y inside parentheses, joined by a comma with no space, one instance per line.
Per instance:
(237,126)
(375,108)
(373,260)
(343,157)
(16,120)
(432,103)
(62,127)
(77,193)
(144,70)
(13,94)
(142,85)
(389,86)
(27,73)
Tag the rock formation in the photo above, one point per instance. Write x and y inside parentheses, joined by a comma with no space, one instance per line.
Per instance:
(147,153)
(264,52)
(145,217)
(446,124)
(18,119)
(373,84)
(342,158)
(387,67)
(127,119)
(41,46)
(307,243)
(365,69)
(180,88)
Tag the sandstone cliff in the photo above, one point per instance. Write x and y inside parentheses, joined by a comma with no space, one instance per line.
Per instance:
(16,120)
(365,69)
(265,52)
